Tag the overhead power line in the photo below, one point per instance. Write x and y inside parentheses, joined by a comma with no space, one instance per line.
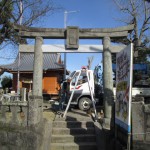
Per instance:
(7,57)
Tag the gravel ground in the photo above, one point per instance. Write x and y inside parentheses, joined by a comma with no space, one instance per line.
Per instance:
(49,115)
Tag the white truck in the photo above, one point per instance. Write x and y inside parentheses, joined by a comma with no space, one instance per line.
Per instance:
(82,94)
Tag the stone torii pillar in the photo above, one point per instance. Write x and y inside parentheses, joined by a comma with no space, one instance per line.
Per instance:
(36,99)
(38,67)
(108,81)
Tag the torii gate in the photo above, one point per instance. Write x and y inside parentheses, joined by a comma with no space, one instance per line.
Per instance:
(72,34)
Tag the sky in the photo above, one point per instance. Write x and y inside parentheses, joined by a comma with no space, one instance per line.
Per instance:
(90,14)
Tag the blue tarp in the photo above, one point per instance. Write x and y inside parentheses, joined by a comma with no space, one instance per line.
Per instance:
(142,67)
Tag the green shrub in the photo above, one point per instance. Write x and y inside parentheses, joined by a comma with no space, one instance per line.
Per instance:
(6,82)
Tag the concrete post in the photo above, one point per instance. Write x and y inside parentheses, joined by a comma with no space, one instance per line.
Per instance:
(23,94)
(108,81)
(38,67)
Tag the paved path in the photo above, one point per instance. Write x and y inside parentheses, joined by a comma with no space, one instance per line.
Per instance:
(74,115)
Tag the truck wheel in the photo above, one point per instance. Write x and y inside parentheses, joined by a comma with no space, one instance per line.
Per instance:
(85,103)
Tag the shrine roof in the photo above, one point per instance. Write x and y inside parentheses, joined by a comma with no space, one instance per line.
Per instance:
(26,61)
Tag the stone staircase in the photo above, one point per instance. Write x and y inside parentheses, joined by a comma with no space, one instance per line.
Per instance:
(78,134)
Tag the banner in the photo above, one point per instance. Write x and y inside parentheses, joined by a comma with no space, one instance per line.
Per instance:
(124,71)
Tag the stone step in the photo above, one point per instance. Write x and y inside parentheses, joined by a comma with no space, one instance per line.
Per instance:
(72,124)
(74,115)
(73,139)
(74,146)
(75,118)
(73,131)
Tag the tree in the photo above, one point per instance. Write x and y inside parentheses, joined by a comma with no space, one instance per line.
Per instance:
(25,12)
(6,82)
(136,12)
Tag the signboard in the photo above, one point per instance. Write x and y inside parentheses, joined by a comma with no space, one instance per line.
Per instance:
(72,38)
(124,68)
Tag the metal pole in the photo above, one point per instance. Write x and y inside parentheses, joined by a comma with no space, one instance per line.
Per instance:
(130,98)
(65,55)
(91,93)
(65,18)
(129,141)
(65,25)
(70,99)
(18,76)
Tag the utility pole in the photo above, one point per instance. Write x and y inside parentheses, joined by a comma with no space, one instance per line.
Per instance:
(65,26)
(21,11)
(18,72)
(90,60)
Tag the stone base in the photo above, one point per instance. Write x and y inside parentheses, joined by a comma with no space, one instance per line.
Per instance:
(26,138)
(35,110)
(104,137)
(107,123)
(141,145)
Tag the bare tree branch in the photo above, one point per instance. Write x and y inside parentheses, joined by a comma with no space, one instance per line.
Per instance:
(31,12)
(139,14)
(126,21)
(144,25)
(136,12)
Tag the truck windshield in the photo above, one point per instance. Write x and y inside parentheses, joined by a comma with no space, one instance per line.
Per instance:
(72,74)
(82,78)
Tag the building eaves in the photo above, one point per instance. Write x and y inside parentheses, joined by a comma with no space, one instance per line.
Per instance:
(27,60)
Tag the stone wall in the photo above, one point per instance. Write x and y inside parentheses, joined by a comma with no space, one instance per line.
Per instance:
(22,126)
(13,112)
(140,124)
(21,113)
(23,138)
(1,92)
(140,134)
